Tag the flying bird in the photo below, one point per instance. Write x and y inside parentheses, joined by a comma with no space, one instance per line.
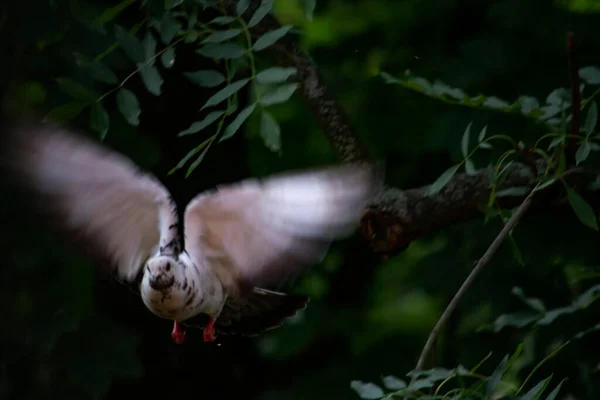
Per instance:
(240,241)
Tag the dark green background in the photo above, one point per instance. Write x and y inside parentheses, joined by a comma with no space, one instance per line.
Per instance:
(67,332)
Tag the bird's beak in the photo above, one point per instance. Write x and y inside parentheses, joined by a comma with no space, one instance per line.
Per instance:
(160,281)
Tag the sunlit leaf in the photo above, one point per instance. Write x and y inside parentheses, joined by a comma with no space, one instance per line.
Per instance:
(554,393)
(206,78)
(199,125)
(367,390)
(537,390)
(129,106)
(274,75)
(590,74)
(442,181)
(237,122)
(222,50)
(393,383)
(99,120)
(270,131)
(271,37)
(152,79)
(279,94)
(167,58)
(582,209)
(226,92)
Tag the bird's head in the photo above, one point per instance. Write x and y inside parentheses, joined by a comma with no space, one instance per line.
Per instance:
(160,272)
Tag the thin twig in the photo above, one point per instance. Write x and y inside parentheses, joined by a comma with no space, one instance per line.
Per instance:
(483,261)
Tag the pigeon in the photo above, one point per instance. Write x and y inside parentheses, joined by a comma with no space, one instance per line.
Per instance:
(241,241)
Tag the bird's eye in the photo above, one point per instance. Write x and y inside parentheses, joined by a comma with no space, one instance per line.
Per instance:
(168,267)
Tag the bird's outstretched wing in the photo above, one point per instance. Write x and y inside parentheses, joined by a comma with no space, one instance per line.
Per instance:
(259,233)
(97,195)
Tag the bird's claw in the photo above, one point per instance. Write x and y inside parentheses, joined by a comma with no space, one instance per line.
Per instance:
(209,331)
(178,334)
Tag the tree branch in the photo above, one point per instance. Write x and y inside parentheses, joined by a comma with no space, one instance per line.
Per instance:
(394,217)
(483,261)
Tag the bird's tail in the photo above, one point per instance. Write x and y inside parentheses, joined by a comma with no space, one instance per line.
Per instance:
(260,311)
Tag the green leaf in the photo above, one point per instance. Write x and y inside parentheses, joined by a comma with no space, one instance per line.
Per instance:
(167,58)
(465,140)
(582,209)
(519,320)
(494,102)
(197,162)
(393,383)
(131,45)
(583,151)
(532,302)
(111,13)
(309,8)
(223,20)
(199,125)
(100,72)
(590,75)
(494,379)
(367,390)
(544,185)
(222,50)
(66,112)
(189,155)
(172,3)
(99,120)
(222,36)
(536,391)
(149,48)
(442,181)
(129,106)
(75,90)
(470,167)
(389,79)
(270,37)
(591,119)
(265,7)
(482,134)
(554,393)
(237,122)
(270,131)
(279,94)
(551,315)
(242,6)
(555,142)
(559,97)
(274,75)
(513,191)
(169,26)
(588,297)
(206,77)
(226,92)
(151,79)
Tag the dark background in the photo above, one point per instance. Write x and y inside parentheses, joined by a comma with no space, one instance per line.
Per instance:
(67,331)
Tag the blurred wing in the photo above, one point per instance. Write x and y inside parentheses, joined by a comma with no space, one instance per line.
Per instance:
(93,193)
(260,233)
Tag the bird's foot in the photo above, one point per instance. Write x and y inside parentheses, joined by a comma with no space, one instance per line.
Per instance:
(209,331)
(178,334)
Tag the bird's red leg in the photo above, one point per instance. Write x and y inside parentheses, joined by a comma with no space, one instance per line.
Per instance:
(178,334)
(209,330)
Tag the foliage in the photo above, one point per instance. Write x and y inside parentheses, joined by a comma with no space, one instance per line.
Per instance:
(164,81)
